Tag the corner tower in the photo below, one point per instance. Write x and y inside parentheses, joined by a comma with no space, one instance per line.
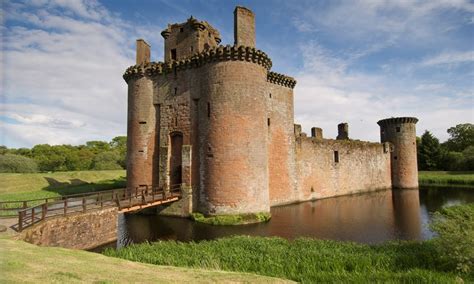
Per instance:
(141,122)
(401,132)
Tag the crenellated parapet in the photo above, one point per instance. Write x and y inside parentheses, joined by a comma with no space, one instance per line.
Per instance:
(397,120)
(280,79)
(220,53)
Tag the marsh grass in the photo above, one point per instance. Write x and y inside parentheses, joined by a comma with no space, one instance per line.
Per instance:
(302,260)
(226,220)
(446,178)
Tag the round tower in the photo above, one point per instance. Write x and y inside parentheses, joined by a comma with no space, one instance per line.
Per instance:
(234,156)
(401,132)
(140,121)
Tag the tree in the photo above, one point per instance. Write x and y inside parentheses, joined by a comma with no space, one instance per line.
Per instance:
(462,136)
(468,158)
(107,161)
(119,144)
(429,152)
(11,163)
(98,146)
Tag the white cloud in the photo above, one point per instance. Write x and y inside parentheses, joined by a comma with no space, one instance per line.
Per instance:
(449,58)
(65,61)
(329,92)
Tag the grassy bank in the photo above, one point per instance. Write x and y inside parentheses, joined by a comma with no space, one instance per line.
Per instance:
(303,260)
(25,263)
(225,220)
(42,185)
(446,178)
(446,259)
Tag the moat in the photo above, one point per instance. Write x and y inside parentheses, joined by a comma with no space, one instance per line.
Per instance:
(366,218)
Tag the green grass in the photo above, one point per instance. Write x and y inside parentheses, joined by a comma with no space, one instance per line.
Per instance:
(302,260)
(45,185)
(21,262)
(225,220)
(446,178)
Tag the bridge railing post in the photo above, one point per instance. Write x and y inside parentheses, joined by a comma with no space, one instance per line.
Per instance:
(84,204)
(44,207)
(20,220)
(65,206)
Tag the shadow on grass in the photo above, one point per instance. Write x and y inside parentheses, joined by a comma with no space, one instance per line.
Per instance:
(76,186)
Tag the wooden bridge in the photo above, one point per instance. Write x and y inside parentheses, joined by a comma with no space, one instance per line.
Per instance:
(30,212)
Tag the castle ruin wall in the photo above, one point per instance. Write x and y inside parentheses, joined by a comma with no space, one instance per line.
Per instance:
(327,168)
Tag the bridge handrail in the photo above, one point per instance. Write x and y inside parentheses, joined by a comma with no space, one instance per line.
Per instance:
(69,203)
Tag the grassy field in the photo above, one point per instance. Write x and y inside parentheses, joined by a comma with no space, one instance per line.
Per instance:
(21,262)
(302,260)
(446,178)
(43,185)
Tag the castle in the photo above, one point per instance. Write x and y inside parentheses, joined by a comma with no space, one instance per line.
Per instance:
(216,121)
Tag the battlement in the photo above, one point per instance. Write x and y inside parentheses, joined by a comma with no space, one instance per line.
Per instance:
(280,79)
(397,120)
(220,53)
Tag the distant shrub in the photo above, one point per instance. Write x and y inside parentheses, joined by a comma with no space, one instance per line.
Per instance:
(107,161)
(10,163)
(455,241)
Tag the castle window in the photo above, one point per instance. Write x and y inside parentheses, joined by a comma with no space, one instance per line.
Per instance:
(192,48)
(268,121)
(175,91)
(395,157)
(173,54)
(140,151)
(181,30)
(208,109)
(270,95)
(336,156)
(142,122)
(398,128)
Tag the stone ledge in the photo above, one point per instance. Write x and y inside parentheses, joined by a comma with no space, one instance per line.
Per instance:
(220,53)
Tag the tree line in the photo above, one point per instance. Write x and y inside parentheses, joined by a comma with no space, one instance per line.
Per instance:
(94,155)
(456,154)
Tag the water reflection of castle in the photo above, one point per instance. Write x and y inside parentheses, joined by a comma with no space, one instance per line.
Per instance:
(366,218)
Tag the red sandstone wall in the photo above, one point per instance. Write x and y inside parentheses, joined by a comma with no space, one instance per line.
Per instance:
(233,145)
(281,145)
(362,167)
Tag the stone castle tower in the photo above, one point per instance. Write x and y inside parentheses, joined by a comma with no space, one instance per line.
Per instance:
(215,119)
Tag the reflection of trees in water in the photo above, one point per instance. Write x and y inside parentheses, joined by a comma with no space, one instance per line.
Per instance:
(368,218)
(434,198)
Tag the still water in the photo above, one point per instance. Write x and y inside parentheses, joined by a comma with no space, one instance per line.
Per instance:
(365,218)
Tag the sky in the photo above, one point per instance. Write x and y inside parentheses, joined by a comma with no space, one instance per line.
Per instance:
(354,61)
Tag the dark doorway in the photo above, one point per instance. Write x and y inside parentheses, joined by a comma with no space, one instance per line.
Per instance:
(175,158)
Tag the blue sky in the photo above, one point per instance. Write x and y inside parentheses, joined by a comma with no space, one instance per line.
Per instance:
(355,62)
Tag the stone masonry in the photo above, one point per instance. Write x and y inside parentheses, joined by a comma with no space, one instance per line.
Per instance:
(218,122)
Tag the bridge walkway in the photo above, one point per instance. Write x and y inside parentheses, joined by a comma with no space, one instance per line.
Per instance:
(30,212)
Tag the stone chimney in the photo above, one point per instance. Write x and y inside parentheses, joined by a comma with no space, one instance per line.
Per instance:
(143,52)
(244,27)
(343,131)
(317,132)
